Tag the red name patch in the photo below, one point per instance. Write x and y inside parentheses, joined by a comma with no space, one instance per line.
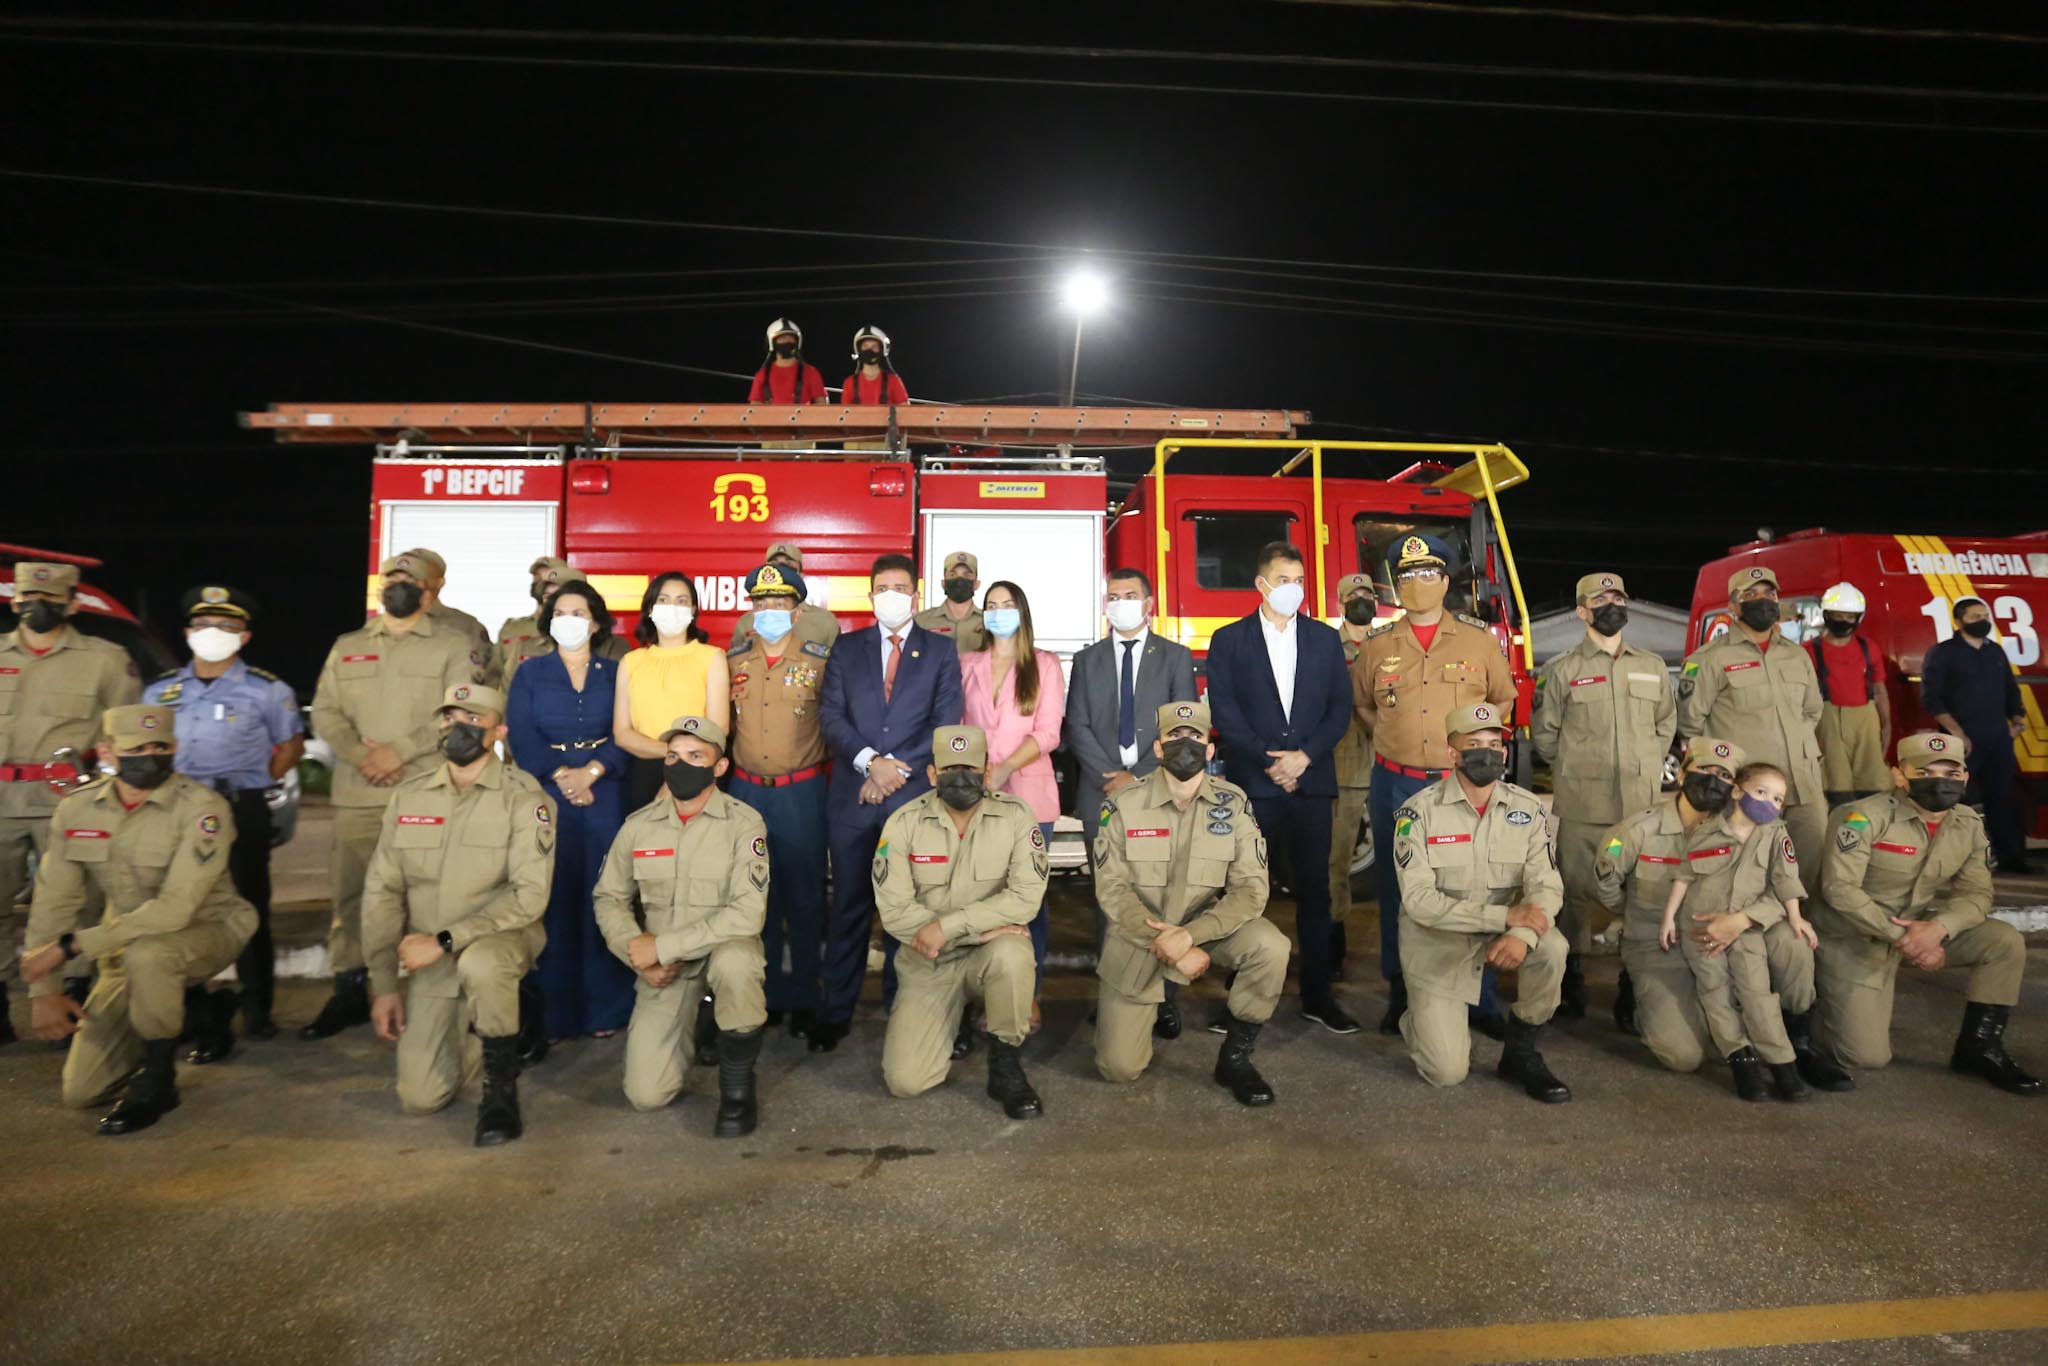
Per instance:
(1746,664)
(1712,853)
(1896,848)
(1450,839)
(1655,858)
(1588,682)
(654,853)
(1148,834)
(9,671)
(359,659)
(422,820)
(88,835)
(931,858)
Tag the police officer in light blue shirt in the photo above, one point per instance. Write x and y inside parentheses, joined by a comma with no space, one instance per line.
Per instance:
(239,732)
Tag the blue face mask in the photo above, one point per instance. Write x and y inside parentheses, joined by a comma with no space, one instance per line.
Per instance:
(1002,621)
(1757,809)
(771,624)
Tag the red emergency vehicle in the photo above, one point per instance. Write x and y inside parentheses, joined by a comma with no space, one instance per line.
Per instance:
(1910,584)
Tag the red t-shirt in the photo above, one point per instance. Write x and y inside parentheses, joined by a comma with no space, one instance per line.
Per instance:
(1844,666)
(860,390)
(1424,635)
(778,384)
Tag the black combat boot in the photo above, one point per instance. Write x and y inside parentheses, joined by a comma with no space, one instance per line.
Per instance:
(1007,1083)
(1397,1005)
(210,1024)
(7,1034)
(738,1111)
(1786,1083)
(1625,1004)
(1748,1071)
(1166,1024)
(1571,1001)
(533,1023)
(706,1042)
(1818,1069)
(497,1116)
(348,1007)
(1980,1050)
(152,1090)
(1234,1065)
(1521,1062)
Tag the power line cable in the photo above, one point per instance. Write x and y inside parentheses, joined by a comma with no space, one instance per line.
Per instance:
(1733,24)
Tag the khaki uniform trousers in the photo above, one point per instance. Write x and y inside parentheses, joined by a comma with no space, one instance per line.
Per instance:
(1437,1025)
(1668,1010)
(917,1048)
(1850,758)
(1578,852)
(437,1053)
(1854,1021)
(1344,825)
(1256,952)
(1735,996)
(355,839)
(660,1040)
(140,996)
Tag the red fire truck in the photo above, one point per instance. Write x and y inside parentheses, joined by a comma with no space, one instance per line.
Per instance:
(626,491)
(1910,584)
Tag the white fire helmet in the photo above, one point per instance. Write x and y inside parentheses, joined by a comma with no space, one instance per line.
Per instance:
(782,325)
(870,331)
(1843,597)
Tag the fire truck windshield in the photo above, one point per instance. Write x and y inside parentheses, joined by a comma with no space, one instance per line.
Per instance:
(1379,533)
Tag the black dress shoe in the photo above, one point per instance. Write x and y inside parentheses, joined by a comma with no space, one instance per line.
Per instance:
(1786,1083)
(1166,1024)
(210,1020)
(800,1022)
(1330,1016)
(1397,1005)
(1748,1071)
(824,1035)
(348,1007)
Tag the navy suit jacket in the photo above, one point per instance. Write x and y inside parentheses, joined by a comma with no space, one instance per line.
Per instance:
(853,716)
(1244,702)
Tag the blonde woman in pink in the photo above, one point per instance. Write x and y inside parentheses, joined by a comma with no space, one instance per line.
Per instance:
(1017,695)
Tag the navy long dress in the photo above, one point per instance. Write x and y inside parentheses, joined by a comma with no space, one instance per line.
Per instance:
(586,988)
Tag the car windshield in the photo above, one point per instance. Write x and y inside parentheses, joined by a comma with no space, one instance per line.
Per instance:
(1380,534)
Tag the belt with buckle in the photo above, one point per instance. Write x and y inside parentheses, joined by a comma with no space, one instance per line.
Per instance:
(760,780)
(598,743)
(37,773)
(1405,771)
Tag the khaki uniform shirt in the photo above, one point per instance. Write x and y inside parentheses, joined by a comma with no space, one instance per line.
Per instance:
(698,883)
(775,706)
(967,634)
(1460,870)
(1881,862)
(473,861)
(1635,865)
(514,634)
(1767,701)
(925,869)
(161,867)
(380,686)
(484,656)
(1203,869)
(1353,755)
(813,625)
(1756,878)
(1408,695)
(1604,724)
(54,700)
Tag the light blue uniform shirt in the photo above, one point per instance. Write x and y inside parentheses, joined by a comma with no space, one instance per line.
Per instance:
(227,726)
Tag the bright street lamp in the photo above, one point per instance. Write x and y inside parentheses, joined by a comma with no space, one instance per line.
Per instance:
(1083,293)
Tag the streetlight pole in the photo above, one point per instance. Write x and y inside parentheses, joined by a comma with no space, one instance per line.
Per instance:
(1074,374)
(1083,293)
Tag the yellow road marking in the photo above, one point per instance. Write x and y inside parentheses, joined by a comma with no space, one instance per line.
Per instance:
(1650,1335)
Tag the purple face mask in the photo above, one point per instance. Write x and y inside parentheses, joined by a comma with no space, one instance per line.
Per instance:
(1758,809)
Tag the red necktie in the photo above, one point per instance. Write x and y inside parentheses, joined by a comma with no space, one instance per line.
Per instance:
(889,672)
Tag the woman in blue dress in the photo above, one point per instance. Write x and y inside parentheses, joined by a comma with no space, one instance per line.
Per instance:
(559,715)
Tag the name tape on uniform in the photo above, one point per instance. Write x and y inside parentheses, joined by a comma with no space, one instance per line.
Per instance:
(654,853)
(931,858)
(422,820)
(1450,839)
(1715,852)
(1891,848)
(88,835)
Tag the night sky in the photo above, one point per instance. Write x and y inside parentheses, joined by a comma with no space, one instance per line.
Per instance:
(1414,263)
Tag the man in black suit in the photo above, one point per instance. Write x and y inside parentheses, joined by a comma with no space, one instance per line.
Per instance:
(1281,697)
(1114,694)
(885,689)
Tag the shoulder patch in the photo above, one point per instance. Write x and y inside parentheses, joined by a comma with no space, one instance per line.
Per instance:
(209,824)
(1037,837)
(760,846)
(1383,627)
(1613,846)
(1520,818)
(266,675)
(1691,670)
(1108,812)
(818,648)
(540,813)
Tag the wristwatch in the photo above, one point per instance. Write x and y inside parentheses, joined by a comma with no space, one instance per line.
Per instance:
(69,943)
(447,942)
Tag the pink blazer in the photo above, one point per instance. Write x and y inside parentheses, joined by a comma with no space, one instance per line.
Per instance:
(1007,729)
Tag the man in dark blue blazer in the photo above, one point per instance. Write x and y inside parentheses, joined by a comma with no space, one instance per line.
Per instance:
(1281,697)
(885,688)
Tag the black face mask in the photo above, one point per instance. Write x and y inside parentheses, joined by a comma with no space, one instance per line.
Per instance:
(145,771)
(43,617)
(1934,794)
(1483,767)
(685,780)
(1706,792)
(539,591)
(1978,629)
(1360,611)
(1838,627)
(870,358)
(1760,614)
(1184,758)
(1609,618)
(959,790)
(785,349)
(463,743)
(401,599)
(960,590)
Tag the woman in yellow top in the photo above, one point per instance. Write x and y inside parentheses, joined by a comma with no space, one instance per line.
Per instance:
(678,672)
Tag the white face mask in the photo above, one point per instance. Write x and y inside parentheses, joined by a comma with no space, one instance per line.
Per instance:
(1126,615)
(1285,599)
(571,633)
(673,618)
(892,609)
(212,644)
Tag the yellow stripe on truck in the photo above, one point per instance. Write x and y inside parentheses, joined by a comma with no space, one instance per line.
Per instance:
(2032,746)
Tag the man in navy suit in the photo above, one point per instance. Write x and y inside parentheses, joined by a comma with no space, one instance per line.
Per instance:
(885,688)
(1281,697)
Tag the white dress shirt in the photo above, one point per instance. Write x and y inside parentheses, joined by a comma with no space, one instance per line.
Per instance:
(1280,653)
(1128,754)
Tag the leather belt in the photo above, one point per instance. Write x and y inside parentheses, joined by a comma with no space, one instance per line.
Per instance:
(1405,771)
(37,773)
(598,743)
(785,780)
